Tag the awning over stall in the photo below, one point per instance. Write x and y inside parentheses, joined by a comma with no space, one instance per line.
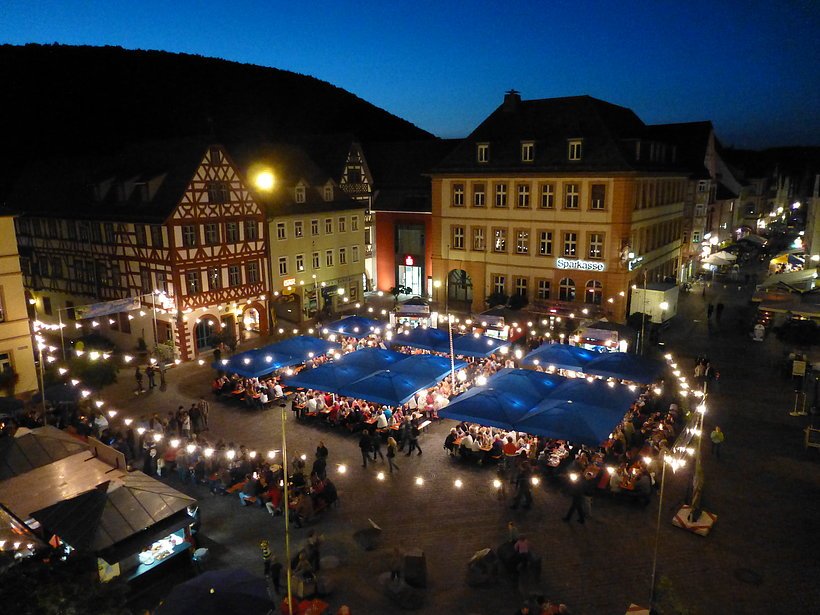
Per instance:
(561,356)
(355,326)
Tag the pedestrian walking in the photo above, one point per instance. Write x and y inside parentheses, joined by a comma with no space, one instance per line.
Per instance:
(522,486)
(138,378)
(267,557)
(150,372)
(162,369)
(365,445)
(709,309)
(377,446)
(392,448)
(717,436)
(414,438)
(577,492)
(718,311)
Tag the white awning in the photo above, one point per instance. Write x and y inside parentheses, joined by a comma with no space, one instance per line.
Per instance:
(796,279)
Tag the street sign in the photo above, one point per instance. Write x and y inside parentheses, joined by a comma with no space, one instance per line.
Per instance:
(799,368)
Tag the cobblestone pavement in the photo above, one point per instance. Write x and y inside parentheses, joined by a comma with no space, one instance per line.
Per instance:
(760,558)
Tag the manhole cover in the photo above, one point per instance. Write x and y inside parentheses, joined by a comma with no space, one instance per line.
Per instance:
(750,577)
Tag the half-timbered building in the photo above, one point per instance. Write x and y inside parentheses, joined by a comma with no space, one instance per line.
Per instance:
(170,225)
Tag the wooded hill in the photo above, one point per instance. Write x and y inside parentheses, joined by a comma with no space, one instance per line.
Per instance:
(59,99)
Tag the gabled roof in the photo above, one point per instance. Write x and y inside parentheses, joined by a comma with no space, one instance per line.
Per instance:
(290,164)
(692,142)
(85,187)
(401,172)
(608,132)
(112,512)
(328,152)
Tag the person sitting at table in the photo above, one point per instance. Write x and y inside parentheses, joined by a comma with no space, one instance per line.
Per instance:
(496,450)
(273,499)
(381,420)
(449,441)
(466,447)
(251,490)
(327,495)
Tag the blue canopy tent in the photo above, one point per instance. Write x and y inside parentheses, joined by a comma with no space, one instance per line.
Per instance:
(579,411)
(427,368)
(625,366)
(330,377)
(425,338)
(486,406)
(355,326)
(302,346)
(385,387)
(526,383)
(474,345)
(561,356)
(374,359)
(255,363)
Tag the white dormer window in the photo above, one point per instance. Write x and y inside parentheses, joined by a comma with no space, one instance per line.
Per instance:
(527,151)
(300,194)
(483,152)
(328,193)
(574,152)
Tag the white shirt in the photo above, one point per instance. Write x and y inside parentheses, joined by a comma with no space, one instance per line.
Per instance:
(277,390)
(311,405)
(381,422)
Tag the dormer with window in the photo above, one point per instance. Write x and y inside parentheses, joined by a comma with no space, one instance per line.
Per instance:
(574,149)
(328,192)
(527,151)
(483,153)
(299,196)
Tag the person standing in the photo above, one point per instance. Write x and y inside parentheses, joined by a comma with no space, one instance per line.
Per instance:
(392,448)
(204,407)
(522,552)
(365,445)
(267,557)
(138,378)
(718,311)
(150,372)
(717,436)
(414,438)
(377,446)
(577,491)
(522,485)
(709,309)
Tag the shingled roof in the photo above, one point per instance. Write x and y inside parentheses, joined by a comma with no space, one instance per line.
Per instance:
(692,142)
(84,187)
(608,131)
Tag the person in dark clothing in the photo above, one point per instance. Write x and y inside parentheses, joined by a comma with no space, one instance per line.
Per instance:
(138,378)
(319,467)
(576,488)
(321,450)
(366,446)
(718,311)
(150,372)
(377,447)
(709,309)
(413,438)
(522,486)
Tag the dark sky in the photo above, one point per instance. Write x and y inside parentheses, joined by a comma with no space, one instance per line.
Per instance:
(752,67)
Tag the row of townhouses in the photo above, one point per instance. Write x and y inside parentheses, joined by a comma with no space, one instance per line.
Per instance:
(568,202)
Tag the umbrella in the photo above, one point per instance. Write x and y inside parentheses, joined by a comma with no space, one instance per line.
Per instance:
(475,345)
(385,387)
(425,338)
(428,369)
(374,359)
(486,406)
(330,377)
(355,326)
(302,346)
(561,356)
(231,590)
(625,366)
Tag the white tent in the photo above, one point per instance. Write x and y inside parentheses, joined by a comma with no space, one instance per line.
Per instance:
(725,255)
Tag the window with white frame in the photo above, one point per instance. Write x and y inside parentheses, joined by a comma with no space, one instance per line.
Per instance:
(281,233)
(328,226)
(700,210)
(501,195)
(483,152)
(500,284)
(251,230)
(574,150)
(234,275)
(479,240)
(458,237)
(189,238)
(479,195)
(354,254)
(499,240)
(354,223)
(214,278)
(523,196)
(696,237)
(342,225)
(543,291)
(328,193)
(594,292)
(298,228)
(252,272)
(316,262)
(596,245)
(300,194)
(522,241)
(527,151)
(458,195)
(703,185)
(566,290)
(314,227)
(521,285)
(571,196)
(300,263)
(343,256)
(231,232)
(570,243)
(5,363)
(283,265)
(545,243)
(597,196)
(547,196)
(328,258)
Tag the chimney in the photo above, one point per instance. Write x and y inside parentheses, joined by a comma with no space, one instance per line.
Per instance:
(512,100)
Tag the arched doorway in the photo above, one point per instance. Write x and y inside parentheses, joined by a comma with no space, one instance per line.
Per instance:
(459,287)
(251,323)
(566,289)
(594,293)
(204,331)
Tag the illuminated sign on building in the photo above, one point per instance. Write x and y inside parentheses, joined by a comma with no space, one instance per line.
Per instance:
(287,282)
(633,263)
(565,263)
(408,261)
